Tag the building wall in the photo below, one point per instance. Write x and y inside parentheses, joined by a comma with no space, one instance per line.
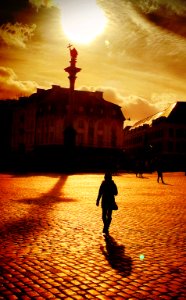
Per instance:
(6,118)
(23,128)
(164,138)
(41,119)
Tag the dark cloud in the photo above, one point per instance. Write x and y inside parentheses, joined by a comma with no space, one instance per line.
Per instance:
(13,5)
(11,10)
(23,19)
(168,15)
(175,24)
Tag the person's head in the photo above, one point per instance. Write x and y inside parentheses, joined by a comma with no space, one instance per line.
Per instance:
(108,176)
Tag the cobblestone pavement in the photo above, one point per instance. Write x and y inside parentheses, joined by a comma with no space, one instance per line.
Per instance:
(52,245)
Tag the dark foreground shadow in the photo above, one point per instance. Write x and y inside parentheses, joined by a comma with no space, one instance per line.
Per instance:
(142,177)
(38,216)
(115,255)
(165,183)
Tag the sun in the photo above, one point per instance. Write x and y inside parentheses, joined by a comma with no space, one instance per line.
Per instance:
(82,22)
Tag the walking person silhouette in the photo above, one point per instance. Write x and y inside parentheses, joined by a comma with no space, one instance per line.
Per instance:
(160,171)
(107,191)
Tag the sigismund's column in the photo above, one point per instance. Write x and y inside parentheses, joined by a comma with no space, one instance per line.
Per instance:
(72,70)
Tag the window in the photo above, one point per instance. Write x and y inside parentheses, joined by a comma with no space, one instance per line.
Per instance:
(22,118)
(180,147)
(179,133)
(91,134)
(91,131)
(100,126)
(21,131)
(171,132)
(113,137)
(51,137)
(80,138)
(100,140)
(81,124)
(170,146)
(81,108)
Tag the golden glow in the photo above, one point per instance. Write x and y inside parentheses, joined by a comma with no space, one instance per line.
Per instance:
(83,23)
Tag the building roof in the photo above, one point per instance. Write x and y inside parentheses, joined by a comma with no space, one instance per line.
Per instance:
(92,103)
(178,107)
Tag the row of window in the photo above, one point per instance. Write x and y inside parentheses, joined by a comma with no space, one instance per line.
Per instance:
(176,147)
(50,123)
(48,137)
(81,140)
(176,133)
(52,109)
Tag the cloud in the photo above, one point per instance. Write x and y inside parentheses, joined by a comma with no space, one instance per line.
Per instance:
(11,88)
(134,107)
(174,6)
(169,15)
(73,4)
(163,100)
(138,108)
(16,35)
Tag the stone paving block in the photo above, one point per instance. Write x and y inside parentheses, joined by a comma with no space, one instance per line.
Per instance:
(51,243)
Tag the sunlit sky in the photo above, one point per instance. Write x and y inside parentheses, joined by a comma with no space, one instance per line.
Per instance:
(132,50)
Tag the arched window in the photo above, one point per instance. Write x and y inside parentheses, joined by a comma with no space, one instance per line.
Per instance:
(81,124)
(113,137)
(100,126)
(80,139)
(69,137)
(100,140)
(91,133)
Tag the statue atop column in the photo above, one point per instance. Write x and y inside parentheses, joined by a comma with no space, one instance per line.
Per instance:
(72,69)
(73,52)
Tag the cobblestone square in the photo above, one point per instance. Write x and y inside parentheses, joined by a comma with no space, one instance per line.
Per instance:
(52,245)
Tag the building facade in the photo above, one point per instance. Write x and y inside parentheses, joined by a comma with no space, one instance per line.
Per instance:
(53,126)
(6,116)
(162,135)
(44,119)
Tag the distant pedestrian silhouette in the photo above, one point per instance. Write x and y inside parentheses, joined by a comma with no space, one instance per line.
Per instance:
(107,191)
(139,169)
(159,171)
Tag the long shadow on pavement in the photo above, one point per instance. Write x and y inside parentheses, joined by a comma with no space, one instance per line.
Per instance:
(115,255)
(38,216)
